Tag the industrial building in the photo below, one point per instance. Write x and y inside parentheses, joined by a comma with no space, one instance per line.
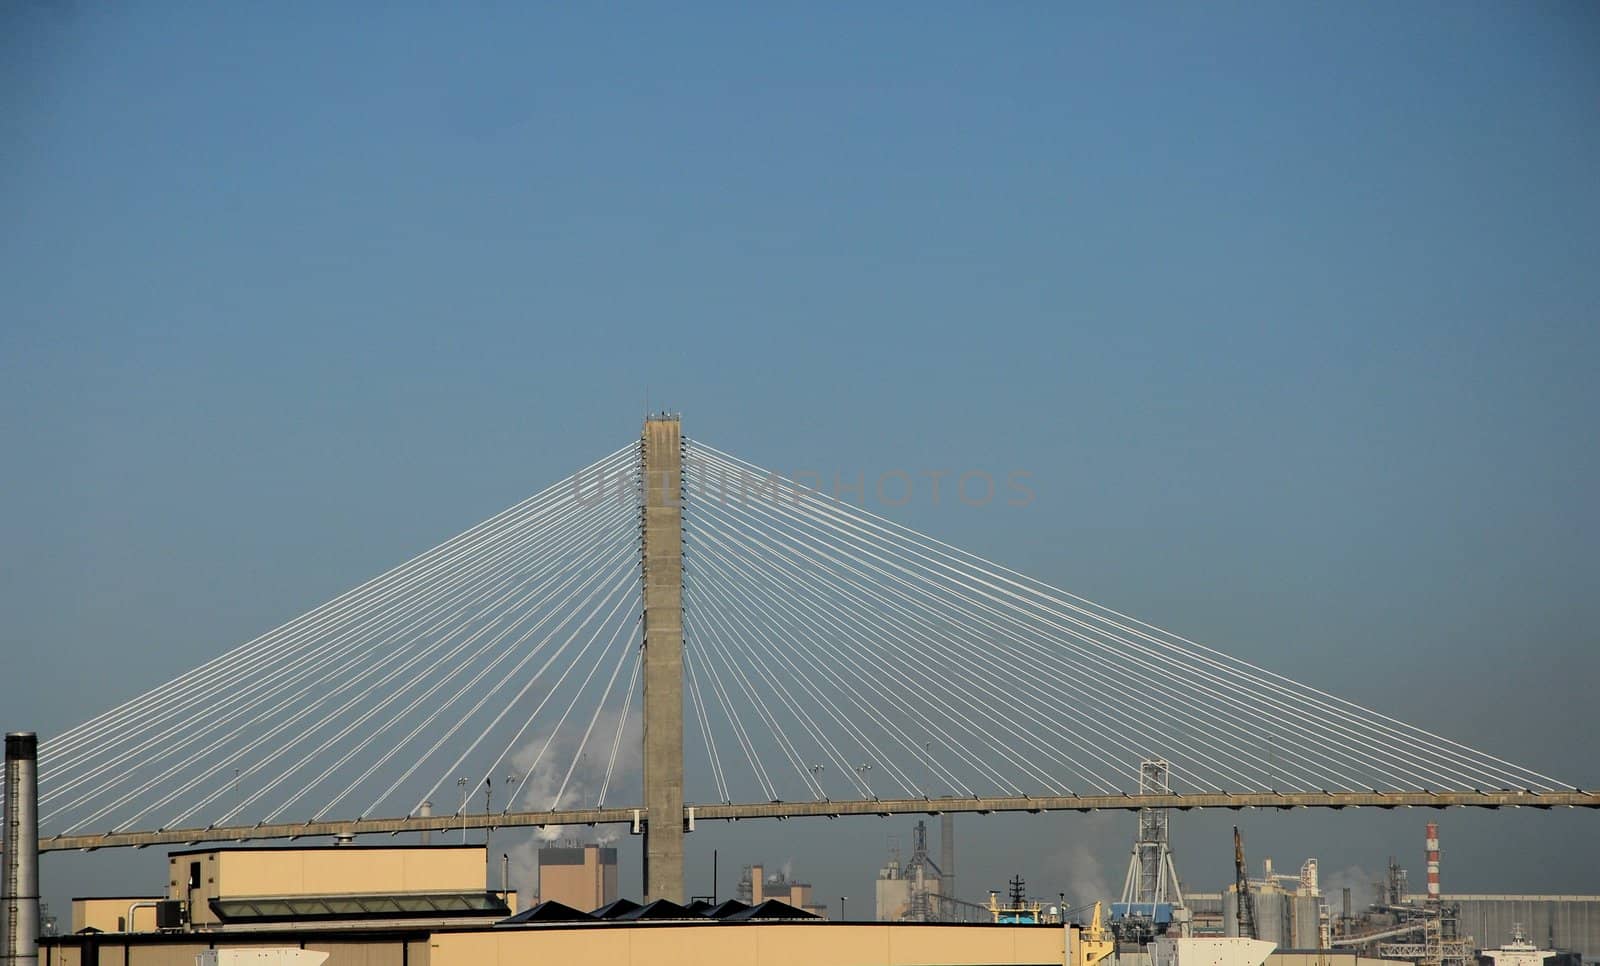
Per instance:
(757,885)
(432,906)
(580,876)
(919,889)
(1289,908)
(1565,923)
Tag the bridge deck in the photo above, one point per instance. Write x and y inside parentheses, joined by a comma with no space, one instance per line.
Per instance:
(833,809)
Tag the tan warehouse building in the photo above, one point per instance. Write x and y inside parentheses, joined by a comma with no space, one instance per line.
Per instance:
(431,906)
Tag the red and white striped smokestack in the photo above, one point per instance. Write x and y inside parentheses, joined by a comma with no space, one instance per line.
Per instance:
(1433,861)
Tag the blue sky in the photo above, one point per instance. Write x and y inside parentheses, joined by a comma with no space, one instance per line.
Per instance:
(1289,310)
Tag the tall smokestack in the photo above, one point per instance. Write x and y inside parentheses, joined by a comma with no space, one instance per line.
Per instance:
(1433,862)
(19,893)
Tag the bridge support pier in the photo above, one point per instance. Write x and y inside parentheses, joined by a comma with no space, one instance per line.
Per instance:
(19,893)
(663,659)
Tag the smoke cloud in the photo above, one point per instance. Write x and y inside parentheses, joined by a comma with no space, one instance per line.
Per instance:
(541,787)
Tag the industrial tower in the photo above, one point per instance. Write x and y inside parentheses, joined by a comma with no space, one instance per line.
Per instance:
(1152,880)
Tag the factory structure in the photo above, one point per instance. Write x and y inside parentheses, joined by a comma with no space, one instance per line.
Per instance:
(1435,926)
(580,876)
(757,884)
(1569,923)
(921,889)
(1289,909)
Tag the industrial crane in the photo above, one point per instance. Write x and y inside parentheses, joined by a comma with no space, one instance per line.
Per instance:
(1246,904)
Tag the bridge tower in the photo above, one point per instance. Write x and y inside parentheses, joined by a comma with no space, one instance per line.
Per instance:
(662,549)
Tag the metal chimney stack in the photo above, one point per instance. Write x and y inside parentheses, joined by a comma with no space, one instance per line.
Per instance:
(1433,862)
(19,893)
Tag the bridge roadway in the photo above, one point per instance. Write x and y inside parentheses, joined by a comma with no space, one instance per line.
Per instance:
(830,809)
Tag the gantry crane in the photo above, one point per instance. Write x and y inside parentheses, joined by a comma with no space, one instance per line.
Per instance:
(1246,904)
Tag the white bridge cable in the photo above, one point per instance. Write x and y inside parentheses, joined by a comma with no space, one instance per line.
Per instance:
(734,719)
(504,611)
(65,748)
(993,708)
(356,625)
(1269,723)
(719,635)
(697,700)
(599,707)
(622,600)
(465,690)
(1270,727)
(205,729)
(783,599)
(1379,737)
(352,630)
(825,744)
(864,612)
(1379,724)
(1266,724)
(750,612)
(616,582)
(622,719)
(875,606)
(779,733)
(346,684)
(393,696)
(1044,666)
(203,726)
(710,553)
(570,605)
(418,728)
(416,701)
(613,565)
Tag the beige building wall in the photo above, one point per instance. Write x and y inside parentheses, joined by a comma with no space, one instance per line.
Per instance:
(110,914)
(353,952)
(334,870)
(655,944)
(797,944)
(584,878)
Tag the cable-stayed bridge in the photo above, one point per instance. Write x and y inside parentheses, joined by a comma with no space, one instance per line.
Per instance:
(673,635)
